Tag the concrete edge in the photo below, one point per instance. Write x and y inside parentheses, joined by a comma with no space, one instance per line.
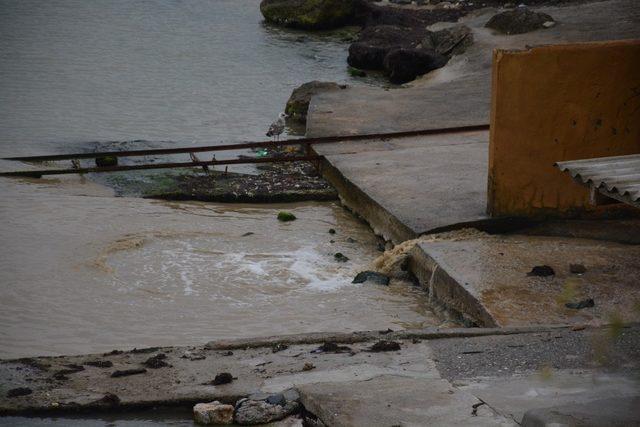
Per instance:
(364,336)
(446,291)
(379,219)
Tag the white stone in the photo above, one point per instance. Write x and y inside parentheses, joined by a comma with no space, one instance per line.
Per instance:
(213,413)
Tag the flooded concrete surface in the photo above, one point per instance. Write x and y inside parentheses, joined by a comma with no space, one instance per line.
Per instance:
(492,280)
(87,272)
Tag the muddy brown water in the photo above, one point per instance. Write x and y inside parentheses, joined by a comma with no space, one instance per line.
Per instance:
(83,271)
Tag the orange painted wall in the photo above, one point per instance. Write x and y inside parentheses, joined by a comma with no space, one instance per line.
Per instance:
(553,103)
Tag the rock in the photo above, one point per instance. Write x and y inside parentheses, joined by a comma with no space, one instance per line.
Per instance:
(286,216)
(308,366)
(156,362)
(106,161)
(375,43)
(128,372)
(451,41)
(384,346)
(276,399)
(222,378)
(518,21)
(213,413)
(250,412)
(338,256)
(332,231)
(371,276)
(577,268)
(298,102)
(404,65)
(541,271)
(20,391)
(308,14)
(585,303)
(291,395)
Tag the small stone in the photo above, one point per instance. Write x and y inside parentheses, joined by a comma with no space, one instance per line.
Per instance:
(338,256)
(20,391)
(332,231)
(222,378)
(371,276)
(308,366)
(286,216)
(585,303)
(156,361)
(385,346)
(541,271)
(549,24)
(577,268)
(213,413)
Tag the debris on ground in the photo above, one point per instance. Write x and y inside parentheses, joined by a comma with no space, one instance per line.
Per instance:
(222,378)
(541,271)
(384,346)
(279,347)
(128,372)
(585,303)
(577,268)
(19,391)
(308,366)
(156,362)
(332,347)
(340,257)
(99,363)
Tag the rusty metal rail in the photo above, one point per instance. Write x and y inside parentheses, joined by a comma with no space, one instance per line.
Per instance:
(306,142)
(174,165)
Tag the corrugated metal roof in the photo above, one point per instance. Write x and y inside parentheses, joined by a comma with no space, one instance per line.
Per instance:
(617,177)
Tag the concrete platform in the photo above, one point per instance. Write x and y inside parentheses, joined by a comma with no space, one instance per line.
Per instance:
(438,377)
(387,401)
(404,187)
(486,279)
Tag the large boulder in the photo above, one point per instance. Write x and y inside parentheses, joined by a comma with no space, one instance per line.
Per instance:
(451,41)
(308,14)
(252,412)
(374,43)
(298,103)
(404,65)
(520,20)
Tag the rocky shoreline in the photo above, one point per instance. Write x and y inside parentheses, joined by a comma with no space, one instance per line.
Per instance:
(394,37)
